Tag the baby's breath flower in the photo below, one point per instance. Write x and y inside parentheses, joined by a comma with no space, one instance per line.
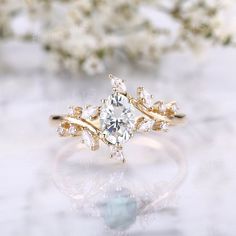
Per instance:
(93,65)
(83,34)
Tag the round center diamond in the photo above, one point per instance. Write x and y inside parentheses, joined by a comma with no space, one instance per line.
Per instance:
(117,119)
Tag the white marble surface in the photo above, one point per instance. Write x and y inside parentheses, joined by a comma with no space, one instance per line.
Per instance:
(205,88)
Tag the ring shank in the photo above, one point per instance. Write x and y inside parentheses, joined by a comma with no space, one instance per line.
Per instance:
(179,118)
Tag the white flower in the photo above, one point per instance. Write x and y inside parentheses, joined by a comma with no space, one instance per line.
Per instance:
(83,34)
(93,65)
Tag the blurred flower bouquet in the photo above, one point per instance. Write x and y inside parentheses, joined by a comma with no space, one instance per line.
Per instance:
(88,34)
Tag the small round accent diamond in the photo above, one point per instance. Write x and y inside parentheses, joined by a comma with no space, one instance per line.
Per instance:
(72,130)
(61,131)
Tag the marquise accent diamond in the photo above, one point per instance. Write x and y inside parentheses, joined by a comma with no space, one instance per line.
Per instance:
(90,140)
(145,97)
(118,84)
(117,153)
(89,112)
(146,126)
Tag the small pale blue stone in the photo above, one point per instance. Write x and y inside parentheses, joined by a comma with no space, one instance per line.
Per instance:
(119,210)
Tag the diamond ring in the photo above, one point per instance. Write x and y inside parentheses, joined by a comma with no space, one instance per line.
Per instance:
(118,118)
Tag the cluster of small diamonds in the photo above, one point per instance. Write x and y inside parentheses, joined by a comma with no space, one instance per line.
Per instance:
(70,129)
(154,116)
(167,110)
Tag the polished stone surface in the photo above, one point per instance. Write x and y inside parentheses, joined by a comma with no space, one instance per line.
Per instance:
(204,87)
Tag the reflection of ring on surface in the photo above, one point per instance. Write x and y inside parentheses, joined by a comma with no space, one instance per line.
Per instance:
(117,193)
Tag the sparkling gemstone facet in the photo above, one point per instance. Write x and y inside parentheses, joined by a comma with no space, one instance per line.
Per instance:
(89,112)
(117,153)
(117,119)
(75,111)
(173,106)
(164,126)
(118,84)
(146,125)
(61,131)
(159,107)
(89,140)
(72,130)
(71,111)
(143,94)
